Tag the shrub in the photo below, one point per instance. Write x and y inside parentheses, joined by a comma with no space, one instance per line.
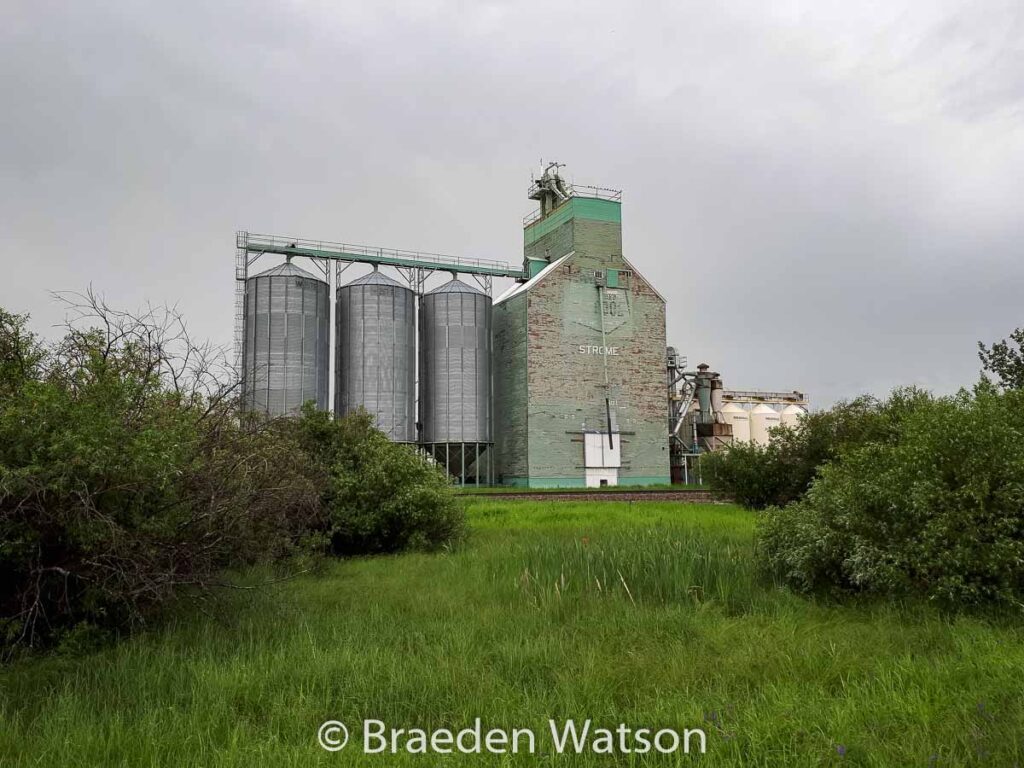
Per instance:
(126,478)
(381,496)
(937,512)
(782,471)
(745,473)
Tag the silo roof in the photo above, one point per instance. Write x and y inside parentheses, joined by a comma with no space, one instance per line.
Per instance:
(375,278)
(288,270)
(454,286)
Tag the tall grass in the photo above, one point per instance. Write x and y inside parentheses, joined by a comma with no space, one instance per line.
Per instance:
(655,566)
(436,640)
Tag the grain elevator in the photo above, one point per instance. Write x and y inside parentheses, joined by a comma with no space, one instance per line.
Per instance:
(563,380)
(579,385)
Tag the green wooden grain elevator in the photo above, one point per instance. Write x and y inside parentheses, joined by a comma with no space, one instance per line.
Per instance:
(579,352)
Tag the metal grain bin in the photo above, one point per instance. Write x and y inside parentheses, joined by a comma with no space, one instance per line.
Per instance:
(376,353)
(455,365)
(286,352)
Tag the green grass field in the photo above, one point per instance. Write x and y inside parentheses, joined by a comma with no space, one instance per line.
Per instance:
(646,614)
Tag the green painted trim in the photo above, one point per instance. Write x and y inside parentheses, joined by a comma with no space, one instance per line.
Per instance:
(557,482)
(597,210)
(575,208)
(579,482)
(650,480)
(535,266)
(613,278)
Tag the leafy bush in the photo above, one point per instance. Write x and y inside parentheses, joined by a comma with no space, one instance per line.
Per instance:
(744,472)
(381,496)
(781,472)
(129,477)
(1005,359)
(126,477)
(938,511)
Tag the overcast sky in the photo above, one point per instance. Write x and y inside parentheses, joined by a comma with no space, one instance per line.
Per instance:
(829,194)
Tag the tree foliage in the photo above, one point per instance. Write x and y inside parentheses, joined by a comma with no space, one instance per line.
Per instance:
(1005,359)
(914,495)
(21,354)
(380,496)
(126,476)
(937,512)
(780,472)
(129,476)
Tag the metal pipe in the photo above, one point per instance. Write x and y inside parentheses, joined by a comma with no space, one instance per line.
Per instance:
(604,357)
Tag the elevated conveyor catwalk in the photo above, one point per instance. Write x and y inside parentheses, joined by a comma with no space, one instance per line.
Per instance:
(366,254)
(414,266)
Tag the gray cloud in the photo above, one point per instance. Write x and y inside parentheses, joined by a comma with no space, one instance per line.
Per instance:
(826,193)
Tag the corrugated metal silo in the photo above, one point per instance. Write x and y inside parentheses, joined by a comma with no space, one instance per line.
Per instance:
(376,353)
(739,418)
(792,414)
(455,365)
(763,418)
(286,349)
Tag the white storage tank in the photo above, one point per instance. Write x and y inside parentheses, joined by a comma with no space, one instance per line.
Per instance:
(763,419)
(737,416)
(792,414)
